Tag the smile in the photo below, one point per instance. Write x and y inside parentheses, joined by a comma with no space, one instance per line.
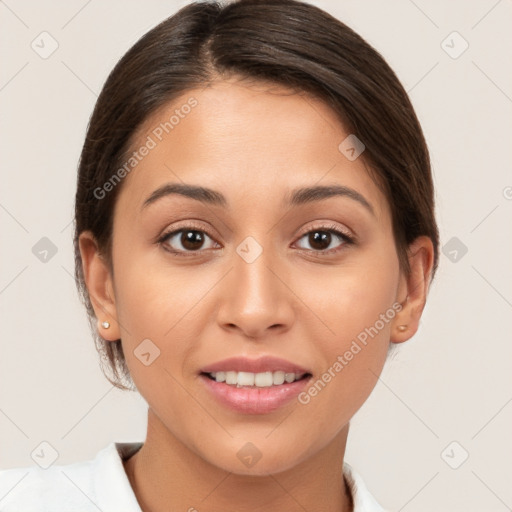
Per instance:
(259,380)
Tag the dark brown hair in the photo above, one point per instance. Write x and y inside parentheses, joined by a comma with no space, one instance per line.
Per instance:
(286,42)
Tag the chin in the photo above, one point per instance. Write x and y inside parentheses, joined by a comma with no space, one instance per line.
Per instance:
(249,461)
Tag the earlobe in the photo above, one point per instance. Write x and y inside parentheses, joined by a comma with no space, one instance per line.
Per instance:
(415,287)
(100,286)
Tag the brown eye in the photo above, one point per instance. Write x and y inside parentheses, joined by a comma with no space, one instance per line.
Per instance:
(186,240)
(324,239)
(191,240)
(319,240)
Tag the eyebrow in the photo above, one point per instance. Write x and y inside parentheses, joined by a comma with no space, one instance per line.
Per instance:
(306,195)
(296,197)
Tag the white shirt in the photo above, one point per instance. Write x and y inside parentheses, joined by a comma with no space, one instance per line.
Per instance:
(101,484)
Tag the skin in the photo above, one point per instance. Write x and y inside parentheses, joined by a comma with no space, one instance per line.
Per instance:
(253,144)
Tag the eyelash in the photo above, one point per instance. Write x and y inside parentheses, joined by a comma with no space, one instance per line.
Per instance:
(346,239)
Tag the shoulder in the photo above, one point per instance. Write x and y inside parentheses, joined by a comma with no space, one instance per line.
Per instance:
(97,484)
(361,496)
(34,488)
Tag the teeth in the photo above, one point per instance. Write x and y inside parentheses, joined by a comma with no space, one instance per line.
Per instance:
(278,378)
(259,380)
(263,380)
(245,379)
(230,377)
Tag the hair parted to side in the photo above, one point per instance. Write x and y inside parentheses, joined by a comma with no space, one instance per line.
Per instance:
(286,42)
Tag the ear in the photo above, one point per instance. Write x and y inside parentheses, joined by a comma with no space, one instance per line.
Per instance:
(413,290)
(99,283)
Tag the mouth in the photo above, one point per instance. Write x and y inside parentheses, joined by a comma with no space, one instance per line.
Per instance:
(254,393)
(254,386)
(256,380)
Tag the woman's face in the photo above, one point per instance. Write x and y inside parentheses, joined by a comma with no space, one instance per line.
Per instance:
(259,273)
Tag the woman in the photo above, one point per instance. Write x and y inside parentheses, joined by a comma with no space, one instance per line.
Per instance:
(254,230)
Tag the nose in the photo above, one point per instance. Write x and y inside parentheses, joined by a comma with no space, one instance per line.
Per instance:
(256,296)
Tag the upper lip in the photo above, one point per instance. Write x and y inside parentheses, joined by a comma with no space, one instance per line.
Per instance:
(259,365)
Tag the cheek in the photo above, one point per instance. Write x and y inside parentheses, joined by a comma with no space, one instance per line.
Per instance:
(153,310)
(152,292)
(159,302)
(352,296)
(355,305)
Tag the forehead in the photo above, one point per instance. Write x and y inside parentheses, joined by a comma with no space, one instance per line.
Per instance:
(254,140)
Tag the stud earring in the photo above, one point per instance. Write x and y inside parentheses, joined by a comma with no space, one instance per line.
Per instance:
(105,325)
(402,328)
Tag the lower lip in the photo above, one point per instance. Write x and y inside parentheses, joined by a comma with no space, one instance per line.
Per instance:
(252,400)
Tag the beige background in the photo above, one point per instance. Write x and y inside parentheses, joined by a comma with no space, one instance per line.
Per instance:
(451,382)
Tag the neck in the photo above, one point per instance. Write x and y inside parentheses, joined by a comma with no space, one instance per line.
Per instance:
(166,475)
